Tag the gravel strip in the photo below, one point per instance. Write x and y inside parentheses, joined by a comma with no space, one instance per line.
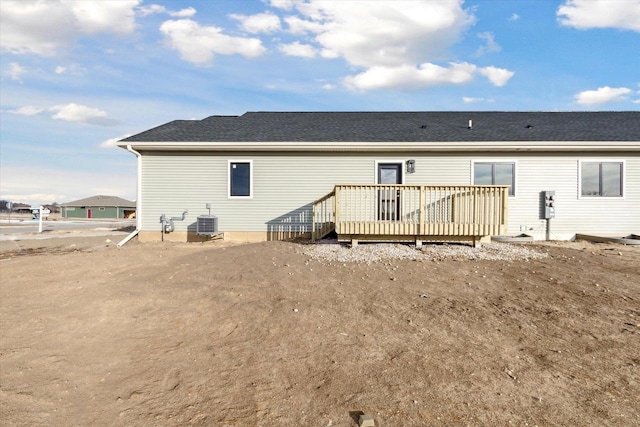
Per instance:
(375,252)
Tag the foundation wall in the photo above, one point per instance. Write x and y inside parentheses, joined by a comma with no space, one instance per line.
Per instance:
(230,236)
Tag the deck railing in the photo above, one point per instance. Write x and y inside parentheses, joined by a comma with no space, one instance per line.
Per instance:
(323,216)
(385,211)
(412,210)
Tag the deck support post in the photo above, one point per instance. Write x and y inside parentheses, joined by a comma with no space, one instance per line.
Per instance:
(418,243)
(354,243)
(313,222)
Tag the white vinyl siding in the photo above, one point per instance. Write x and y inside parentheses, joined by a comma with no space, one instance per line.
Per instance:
(285,185)
(574,214)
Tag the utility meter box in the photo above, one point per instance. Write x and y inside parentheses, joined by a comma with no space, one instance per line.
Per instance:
(549,208)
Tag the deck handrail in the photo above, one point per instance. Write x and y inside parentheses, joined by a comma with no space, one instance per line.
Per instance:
(420,210)
(323,216)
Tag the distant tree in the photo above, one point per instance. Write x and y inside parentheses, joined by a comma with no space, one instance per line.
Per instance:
(20,207)
(54,207)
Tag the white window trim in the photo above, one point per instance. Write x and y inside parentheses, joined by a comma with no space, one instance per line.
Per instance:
(229,163)
(515,172)
(624,179)
(392,161)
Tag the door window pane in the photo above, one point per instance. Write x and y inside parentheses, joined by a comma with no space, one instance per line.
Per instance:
(389,174)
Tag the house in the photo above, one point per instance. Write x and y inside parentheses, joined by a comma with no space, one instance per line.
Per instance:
(99,207)
(391,175)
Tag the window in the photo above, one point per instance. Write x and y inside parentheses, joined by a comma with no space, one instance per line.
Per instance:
(495,173)
(240,180)
(601,179)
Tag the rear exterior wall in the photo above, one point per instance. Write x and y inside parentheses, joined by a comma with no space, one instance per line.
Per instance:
(94,212)
(284,186)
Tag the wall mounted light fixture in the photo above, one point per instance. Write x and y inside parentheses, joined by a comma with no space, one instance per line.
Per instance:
(411,166)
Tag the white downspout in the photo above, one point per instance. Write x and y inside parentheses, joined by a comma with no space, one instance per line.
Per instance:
(138,199)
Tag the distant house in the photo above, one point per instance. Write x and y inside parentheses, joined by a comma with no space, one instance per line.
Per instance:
(21,208)
(392,175)
(98,207)
(54,208)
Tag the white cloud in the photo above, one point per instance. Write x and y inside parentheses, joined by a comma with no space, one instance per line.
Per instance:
(602,95)
(282,4)
(427,74)
(298,49)
(409,77)
(79,113)
(329,54)
(198,44)
(260,23)
(585,14)
(71,112)
(497,76)
(472,100)
(386,40)
(151,9)
(27,110)
(35,27)
(34,199)
(514,17)
(302,26)
(98,16)
(156,8)
(111,142)
(72,69)
(65,184)
(16,71)
(385,33)
(43,27)
(184,13)
(490,46)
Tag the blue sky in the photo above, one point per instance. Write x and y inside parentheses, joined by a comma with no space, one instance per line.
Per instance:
(76,75)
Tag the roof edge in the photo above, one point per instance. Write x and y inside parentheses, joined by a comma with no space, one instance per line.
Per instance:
(514,146)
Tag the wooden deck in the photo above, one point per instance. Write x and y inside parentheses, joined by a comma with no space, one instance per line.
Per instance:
(411,212)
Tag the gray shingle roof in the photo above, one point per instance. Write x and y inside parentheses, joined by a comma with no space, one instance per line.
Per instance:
(400,126)
(102,201)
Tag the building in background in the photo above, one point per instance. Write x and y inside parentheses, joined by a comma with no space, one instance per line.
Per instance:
(99,207)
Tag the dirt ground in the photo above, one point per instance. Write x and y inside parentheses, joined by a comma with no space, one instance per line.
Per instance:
(214,334)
